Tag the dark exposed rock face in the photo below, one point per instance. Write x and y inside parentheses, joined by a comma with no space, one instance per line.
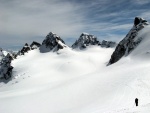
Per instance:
(85,40)
(35,45)
(52,42)
(5,67)
(138,20)
(126,46)
(108,44)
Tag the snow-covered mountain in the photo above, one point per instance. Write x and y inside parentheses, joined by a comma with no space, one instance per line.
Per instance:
(79,81)
(52,42)
(86,40)
(130,42)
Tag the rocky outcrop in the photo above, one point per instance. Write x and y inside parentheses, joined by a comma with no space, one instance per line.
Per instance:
(127,45)
(4,53)
(52,42)
(35,45)
(24,50)
(85,40)
(5,67)
(107,44)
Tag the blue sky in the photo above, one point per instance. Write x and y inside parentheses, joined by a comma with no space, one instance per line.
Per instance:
(24,21)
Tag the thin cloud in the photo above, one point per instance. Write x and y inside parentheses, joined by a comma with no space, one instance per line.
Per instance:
(28,20)
(141,2)
(33,18)
(145,15)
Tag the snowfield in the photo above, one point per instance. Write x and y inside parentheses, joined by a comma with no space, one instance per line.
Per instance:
(75,81)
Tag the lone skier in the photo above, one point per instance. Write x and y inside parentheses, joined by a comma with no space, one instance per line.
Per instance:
(136,101)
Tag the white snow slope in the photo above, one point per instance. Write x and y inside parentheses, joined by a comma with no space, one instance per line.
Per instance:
(72,81)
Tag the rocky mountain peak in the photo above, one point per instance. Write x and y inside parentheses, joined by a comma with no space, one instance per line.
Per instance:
(85,40)
(52,42)
(139,20)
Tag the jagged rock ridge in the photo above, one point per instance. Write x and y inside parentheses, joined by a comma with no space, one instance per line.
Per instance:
(24,50)
(126,45)
(86,39)
(27,47)
(52,42)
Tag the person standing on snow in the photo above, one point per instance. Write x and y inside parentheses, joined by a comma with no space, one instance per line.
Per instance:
(136,101)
